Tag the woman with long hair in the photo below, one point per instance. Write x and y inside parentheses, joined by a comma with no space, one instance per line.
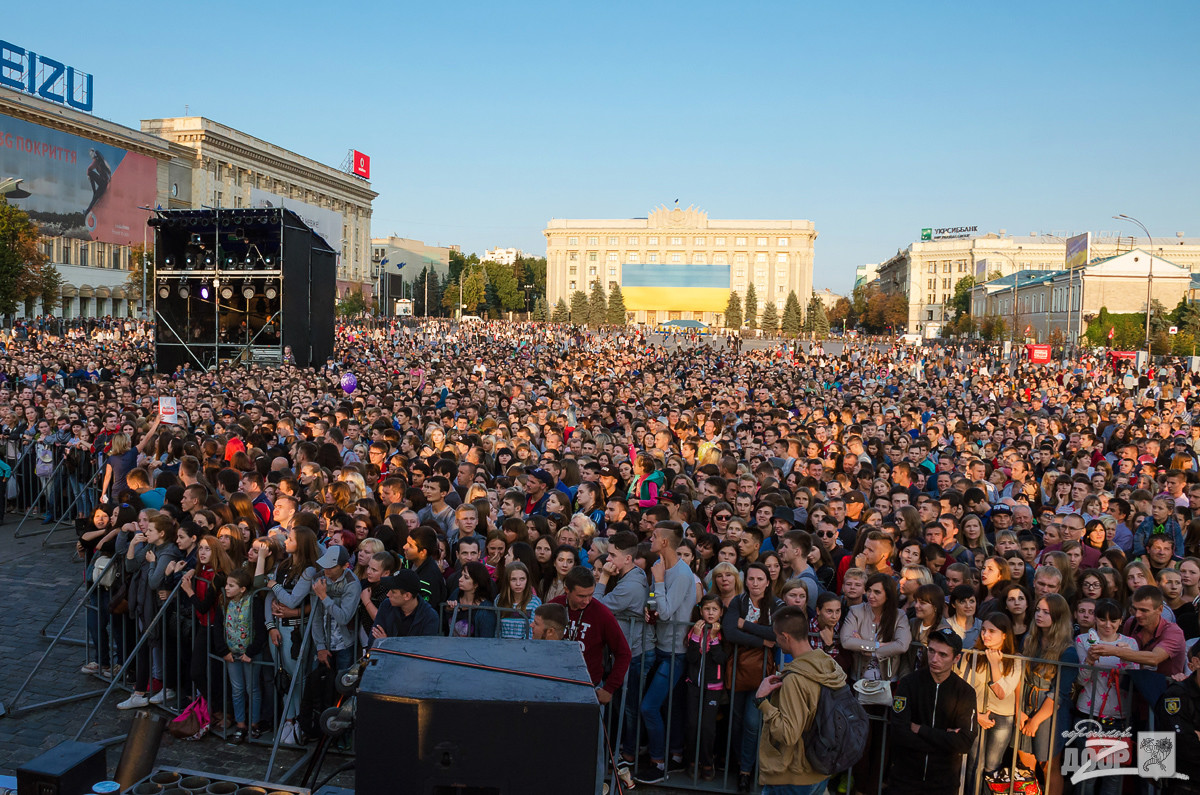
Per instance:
(291,585)
(877,631)
(204,586)
(1015,601)
(517,600)
(995,675)
(1099,689)
(992,575)
(747,625)
(474,590)
(929,611)
(960,615)
(565,558)
(1048,685)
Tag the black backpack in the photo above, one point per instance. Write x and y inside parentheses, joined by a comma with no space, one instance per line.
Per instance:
(837,736)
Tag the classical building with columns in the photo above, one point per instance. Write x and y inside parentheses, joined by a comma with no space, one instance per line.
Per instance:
(678,264)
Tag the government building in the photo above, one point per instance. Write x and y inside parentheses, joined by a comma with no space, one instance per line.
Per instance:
(926,271)
(678,264)
(91,185)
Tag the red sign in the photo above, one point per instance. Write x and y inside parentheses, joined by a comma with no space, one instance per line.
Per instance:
(1114,355)
(1038,354)
(362,164)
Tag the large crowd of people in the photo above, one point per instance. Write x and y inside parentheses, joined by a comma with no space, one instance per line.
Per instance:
(703,517)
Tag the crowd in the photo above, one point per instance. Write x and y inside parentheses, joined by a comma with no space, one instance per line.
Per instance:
(988,551)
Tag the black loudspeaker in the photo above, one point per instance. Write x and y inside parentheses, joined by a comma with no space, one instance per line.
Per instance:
(69,768)
(440,724)
(252,285)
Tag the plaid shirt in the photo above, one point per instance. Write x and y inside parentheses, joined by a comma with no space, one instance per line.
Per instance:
(834,649)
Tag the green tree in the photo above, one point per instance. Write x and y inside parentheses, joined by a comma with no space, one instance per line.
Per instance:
(460,262)
(616,307)
(815,321)
(352,303)
(540,313)
(25,270)
(434,290)
(840,314)
(597,306)
(133,281)
(793,317)
(751,307)
(961,302)
(531,270)
(579,307)
(561,313)
(508,296)
(770,317)
(733,311)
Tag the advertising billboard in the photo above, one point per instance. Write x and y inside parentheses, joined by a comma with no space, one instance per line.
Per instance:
(78,188)
(323,221)
(1079,250)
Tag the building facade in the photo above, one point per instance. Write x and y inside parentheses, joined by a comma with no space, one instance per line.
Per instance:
(678,264)
(928,271)
(503,256)
(1058,305)
(229,168)
(403,259)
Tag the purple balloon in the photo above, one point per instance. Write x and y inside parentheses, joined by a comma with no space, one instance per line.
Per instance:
(349,383)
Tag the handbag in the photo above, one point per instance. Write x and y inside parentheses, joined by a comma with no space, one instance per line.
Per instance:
(874,692)
(102,572)
(753,665)
(193,722)
(118,602)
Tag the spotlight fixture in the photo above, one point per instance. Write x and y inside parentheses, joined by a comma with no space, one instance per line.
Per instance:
(207,262)
(164,292)
(204,293)
(227,292)
(247,291)
(184,292)
(271,293)
(168,263)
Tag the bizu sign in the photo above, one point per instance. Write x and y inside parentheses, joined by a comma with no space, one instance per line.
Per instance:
(25,70)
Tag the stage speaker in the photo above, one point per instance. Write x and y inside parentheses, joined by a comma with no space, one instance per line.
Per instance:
(523,720)
(69,768)
(243,285)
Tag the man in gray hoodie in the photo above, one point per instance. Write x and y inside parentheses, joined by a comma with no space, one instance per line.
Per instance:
(621,587)
(337,596)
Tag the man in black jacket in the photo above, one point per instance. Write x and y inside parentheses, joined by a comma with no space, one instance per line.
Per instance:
(404,613)
(1179,711)
(932,722)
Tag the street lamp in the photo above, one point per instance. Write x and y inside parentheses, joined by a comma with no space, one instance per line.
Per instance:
(10,187)
(1150,280)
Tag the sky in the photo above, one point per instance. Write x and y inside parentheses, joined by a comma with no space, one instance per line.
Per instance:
(872,119)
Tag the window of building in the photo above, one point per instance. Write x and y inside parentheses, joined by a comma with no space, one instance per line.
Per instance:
(572,241)
(697,259)
(591,270)
(718,241)
(719,259)
(945,266)
(612,286)
(779,289)
(651,258)
(762,241)
(760,257)
(676,256)
(781,258)
(739,273)
(631,240)
(116,258)
(83,254)
(633,257)
(929,284)
(593,256)
(739,241)
(612,272)
(593,241)
(739,258)
(572,256)
(611,257)
(962,266)
(613,240)
(677,241)
(653,241)
(933,267)
(697,241)
(783,241)
(573,270)
(571,286)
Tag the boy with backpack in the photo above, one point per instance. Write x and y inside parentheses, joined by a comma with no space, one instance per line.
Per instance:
(812,726)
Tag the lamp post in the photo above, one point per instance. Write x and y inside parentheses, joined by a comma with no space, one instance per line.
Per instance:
(1150,279)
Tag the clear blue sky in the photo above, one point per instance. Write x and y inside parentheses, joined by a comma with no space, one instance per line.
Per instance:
(872,119)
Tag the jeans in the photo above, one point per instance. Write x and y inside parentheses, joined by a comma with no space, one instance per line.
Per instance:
(97,625)
(283,657)
(243,678)
(989,748)
(794,789)
(343,658)
(667,673)
(746,720)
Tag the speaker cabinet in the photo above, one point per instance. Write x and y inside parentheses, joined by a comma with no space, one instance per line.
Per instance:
(69,768)
(434,727)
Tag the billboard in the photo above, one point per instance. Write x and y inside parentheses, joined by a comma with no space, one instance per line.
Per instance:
(930,233)
(1038,354)
(322,220)
(362,164)
(78,188)
(1079,250)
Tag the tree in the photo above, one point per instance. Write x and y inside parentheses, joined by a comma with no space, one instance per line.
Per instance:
(961,302)
(793,317)
(133,282)
(895,311)
(616,307)
(597,306)
(993,328)
(540,313)
(561,313)
(770,317)
(352,304)
(434,290)
(579,307)
(25,270)
(751,307)
(505,292)
(733,311)
(531,270)
(840,314)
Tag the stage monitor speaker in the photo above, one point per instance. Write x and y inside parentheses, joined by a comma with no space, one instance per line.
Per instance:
(441,726)
(69,768)
(241,285)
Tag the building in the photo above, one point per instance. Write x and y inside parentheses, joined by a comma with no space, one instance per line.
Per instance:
(1057,305)
(865,274)
(229,168)
(827,297)
(927,271)
(677,264)
(504,256)
(403,259)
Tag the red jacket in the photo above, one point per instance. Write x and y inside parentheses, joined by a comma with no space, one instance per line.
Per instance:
(596,627)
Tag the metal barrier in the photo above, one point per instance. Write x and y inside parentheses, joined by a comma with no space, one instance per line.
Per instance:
(58,486)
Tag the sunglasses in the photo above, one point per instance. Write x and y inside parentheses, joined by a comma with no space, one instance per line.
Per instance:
(827,533)
(723,517)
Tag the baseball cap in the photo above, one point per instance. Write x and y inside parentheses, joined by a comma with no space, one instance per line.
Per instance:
(334,556)
(949,637)
(404,580)
(543,476)
(608,472)
(672,496)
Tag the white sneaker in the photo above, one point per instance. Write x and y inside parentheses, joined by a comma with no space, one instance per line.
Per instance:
(287,734)
(166,694)
(134,702)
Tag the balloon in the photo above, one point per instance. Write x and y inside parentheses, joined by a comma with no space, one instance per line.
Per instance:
(349,383)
